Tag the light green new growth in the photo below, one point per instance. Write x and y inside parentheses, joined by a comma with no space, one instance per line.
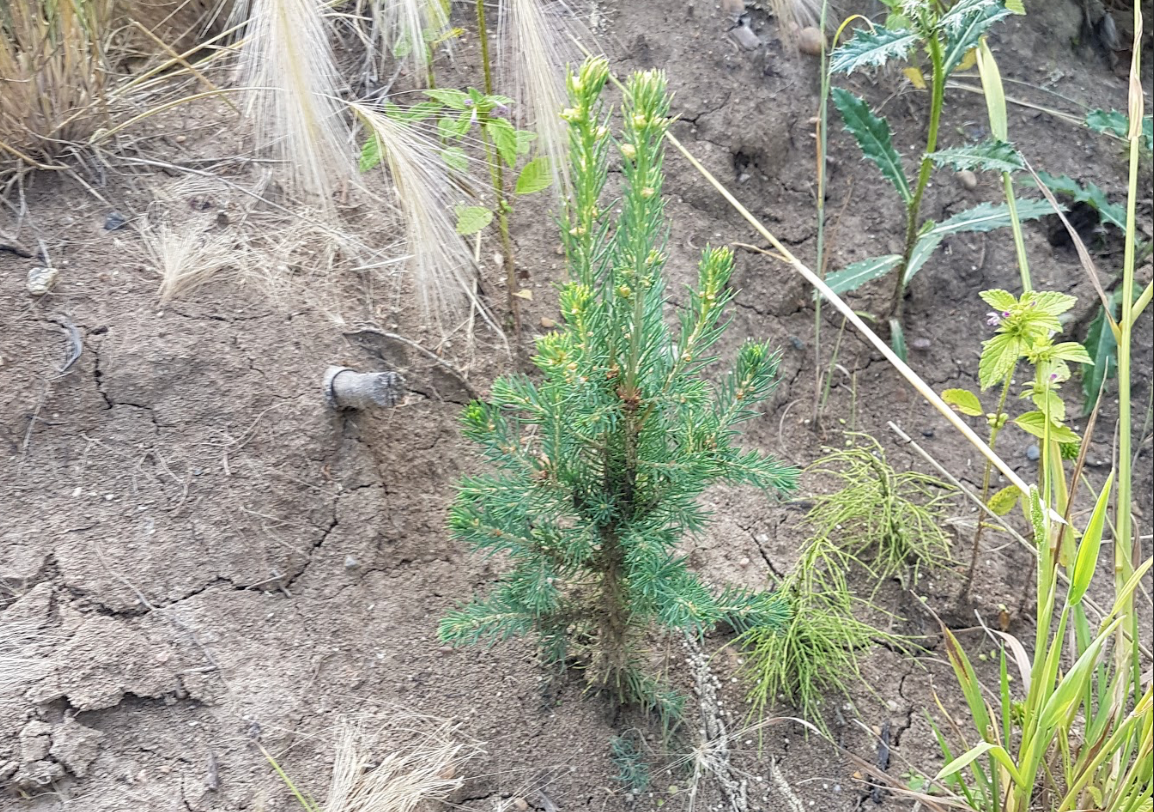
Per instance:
(600,465)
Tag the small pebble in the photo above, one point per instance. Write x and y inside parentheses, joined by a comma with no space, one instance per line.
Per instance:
(968,179)
(1033,453)
(547,323)
(41,280)
(921,344)
(810,41)
(114,221)
(743,35)
(351,562)
(797,343)
(927,433)
(520,804)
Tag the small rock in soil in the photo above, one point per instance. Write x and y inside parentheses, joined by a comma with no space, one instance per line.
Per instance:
(547,323)
(41,280)
(797,343)
(744,36)
(968,179)
(810,41)
(75,746)
(921,344)
(927,432)
(351,562)
(115,220)
(1033,453)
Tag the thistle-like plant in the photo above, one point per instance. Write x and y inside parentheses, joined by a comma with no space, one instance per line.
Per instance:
(600,464)
(947,34)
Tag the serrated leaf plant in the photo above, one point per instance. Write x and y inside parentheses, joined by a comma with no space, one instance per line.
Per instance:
(947,34)
(600,459)
(1025,328)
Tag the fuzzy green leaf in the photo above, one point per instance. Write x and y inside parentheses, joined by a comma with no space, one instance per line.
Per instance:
(999,355)
(1089,194)
(535,176)
(989,216)
(963,401)
(852,277)
(455,99)
(1004,500)
(1035,423)
(504,139)
(1000,300)
(874,138)
(370,154)
(455,158)
(872,49)
(990,155)
(964,24)
(471,219)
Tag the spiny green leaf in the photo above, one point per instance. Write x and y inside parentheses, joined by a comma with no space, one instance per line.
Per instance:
(471,219)
(873,136)
(989,216)
(991,155)
(964,25)
(535,176)
(963,401)
(923,249)
(852,277)
(872,49)
(1117,123)
(1089,194)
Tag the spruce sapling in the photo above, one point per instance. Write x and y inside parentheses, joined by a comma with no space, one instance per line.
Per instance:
(600,464)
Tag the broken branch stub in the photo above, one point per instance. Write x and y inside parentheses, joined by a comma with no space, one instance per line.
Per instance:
(348,389)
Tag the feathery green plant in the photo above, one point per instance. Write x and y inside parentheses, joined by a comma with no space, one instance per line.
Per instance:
(947,33)
(600,464)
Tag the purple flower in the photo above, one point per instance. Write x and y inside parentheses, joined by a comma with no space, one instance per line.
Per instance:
(993,319)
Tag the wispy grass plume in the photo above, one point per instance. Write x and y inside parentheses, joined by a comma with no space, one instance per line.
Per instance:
(407,30)
(439,260)
(186,256)
(287,65)
(537,42)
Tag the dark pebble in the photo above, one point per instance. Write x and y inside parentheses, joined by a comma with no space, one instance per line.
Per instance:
(927,432)
(1033,453)
(114,221)
(797,343)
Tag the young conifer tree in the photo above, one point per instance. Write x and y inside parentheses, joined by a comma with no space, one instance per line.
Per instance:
(600,465)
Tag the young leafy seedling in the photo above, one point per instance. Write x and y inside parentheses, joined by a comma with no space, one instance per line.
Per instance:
(600,465)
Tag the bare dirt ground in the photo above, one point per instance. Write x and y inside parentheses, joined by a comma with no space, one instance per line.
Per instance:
(214,558)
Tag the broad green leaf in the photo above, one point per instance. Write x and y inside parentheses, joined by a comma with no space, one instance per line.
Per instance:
(455,158)
(450,129)
(988,216)
(993,90)
(852,277)
(525,139)
(968,681)
(872,49)
(535,176)
(1102,348)
(471,219)
(991,155)
(964,25)
(1071,351)
(923,249)
(418,112)
(1051,301)
(873,136)
(1035,423)
(1089,194)
(1000,300)
(996,751)
(1048,402)
(1087,559)
(456,99)
(504,139)
(999,355)
(370,154)
(963,401)
(1004,500)
(898,339)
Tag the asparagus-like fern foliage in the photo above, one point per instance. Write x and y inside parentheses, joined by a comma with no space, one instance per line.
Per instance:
(599,466)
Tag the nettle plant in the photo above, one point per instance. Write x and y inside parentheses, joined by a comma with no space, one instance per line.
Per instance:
(600,465)
(1025,330)
(948,36)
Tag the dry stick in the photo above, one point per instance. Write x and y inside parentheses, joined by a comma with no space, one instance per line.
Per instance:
(973,497)
(186,64)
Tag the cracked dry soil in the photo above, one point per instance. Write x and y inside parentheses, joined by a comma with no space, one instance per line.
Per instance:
(212,557)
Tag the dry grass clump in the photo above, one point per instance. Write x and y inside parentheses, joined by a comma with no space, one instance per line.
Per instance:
(52,74)
(186,256)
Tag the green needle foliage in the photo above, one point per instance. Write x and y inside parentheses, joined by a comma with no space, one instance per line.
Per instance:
(599,466)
